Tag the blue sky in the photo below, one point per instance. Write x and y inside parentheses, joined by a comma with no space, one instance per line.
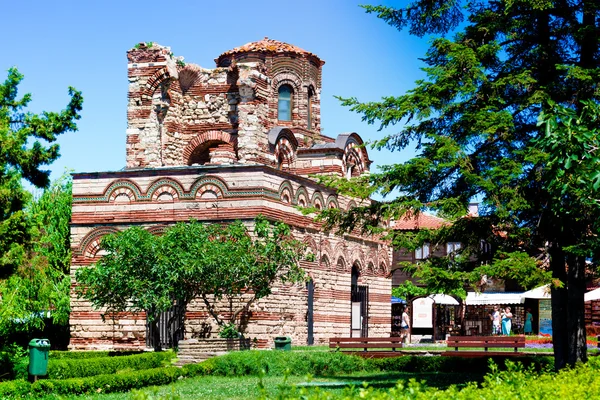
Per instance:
(83,44)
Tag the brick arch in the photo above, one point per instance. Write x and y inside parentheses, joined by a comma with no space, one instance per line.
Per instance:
(158,230)
(327,250)
(351,205)
(317,198)
(384,260)
(286,152)
(301,193)
(332,201)
(311,244)
(165,185)
(287,77)
(209,136)
(285,189)
(153,83)
(122,186)
(90,244)
(212,183)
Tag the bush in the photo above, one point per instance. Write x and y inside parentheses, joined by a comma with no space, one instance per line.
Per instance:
(107,383)
(514,382)
(453,364)
(242,363)
(79,368)
(61,355)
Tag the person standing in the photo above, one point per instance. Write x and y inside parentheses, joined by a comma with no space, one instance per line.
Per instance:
(405,325)
(528,329)
(506,321)
(495,317)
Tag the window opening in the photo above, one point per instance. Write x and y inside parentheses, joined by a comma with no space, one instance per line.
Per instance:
(284,104)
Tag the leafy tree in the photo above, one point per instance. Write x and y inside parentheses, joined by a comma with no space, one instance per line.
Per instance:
(22,155)
(507,115)
(39,288)
(211,262)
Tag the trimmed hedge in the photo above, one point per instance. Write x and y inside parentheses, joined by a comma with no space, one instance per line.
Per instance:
(71,355)
(244,363)
(337,363)
(80,368)
(107,383)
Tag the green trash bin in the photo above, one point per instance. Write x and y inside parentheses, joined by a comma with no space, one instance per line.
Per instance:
(38,357)
(283,343)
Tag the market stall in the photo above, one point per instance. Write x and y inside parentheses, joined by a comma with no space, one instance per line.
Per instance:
(480,305)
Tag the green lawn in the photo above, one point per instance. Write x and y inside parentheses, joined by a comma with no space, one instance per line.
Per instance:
(211,387)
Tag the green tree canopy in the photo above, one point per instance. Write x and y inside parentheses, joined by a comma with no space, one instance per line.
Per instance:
(505,115)
(26,145)
(210,262)
(40,286)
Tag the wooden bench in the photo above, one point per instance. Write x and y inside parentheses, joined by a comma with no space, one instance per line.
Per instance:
(368,347)
(486,342)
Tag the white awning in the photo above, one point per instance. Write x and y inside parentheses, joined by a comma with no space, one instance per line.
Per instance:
(540,293)
(593,295)
(443,299)
(493,298)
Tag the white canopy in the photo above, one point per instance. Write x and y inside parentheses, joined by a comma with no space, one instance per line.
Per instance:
(443,299)
(493,298)
(540,293)
(593,295)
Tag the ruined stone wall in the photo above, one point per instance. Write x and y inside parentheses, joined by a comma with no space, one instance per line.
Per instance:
(108,202)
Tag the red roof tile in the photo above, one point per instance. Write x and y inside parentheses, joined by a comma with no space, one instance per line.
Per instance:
(422,221)
(268,46)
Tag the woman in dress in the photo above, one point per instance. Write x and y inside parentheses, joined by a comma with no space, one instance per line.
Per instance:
(528,329)
(506,321)
(405,325)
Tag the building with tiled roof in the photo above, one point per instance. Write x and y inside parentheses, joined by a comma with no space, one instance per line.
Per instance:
(226,144)
(420,221)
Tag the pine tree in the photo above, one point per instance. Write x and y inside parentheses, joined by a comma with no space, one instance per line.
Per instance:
(507,115)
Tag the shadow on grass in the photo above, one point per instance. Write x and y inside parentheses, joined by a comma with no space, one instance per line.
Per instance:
(386,380)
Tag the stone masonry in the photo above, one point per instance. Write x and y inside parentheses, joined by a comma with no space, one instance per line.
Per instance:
(209,144)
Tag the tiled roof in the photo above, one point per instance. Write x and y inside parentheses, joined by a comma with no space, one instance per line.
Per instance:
(268,46)
(421,221)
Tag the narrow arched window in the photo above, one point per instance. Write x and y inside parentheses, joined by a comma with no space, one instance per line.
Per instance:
(309,110)
(284,104)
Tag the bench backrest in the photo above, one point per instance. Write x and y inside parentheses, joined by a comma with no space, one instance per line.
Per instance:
(486,341)
(364,342)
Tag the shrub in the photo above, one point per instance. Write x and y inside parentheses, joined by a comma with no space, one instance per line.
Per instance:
(514,382)
(60,355)
(79,368)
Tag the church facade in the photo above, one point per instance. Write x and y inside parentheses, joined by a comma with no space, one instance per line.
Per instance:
(227,144)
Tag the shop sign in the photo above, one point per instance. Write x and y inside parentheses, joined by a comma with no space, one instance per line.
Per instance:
(422,310)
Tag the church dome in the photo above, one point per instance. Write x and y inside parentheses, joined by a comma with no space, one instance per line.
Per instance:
(271,46)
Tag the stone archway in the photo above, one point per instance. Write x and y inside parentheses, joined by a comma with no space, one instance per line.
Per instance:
(214,147)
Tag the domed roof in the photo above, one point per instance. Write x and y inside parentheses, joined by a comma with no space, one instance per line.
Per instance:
(267,45)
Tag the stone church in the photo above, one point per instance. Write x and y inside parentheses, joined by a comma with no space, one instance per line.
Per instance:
(227,144)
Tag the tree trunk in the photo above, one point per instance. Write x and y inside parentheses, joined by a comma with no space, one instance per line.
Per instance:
(559,308)
(577,346)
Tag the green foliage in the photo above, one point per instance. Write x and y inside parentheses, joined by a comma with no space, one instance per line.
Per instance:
(34,234)
(79,368)
(213,262)
(514,382)
(492,70)
(42,282)
(229,331)
(22,138)
(79,355)
(408,290)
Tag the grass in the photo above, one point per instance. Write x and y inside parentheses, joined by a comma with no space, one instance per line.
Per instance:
(216,388)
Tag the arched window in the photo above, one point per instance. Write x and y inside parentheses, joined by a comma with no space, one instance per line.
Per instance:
(284,104)
(309,111)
